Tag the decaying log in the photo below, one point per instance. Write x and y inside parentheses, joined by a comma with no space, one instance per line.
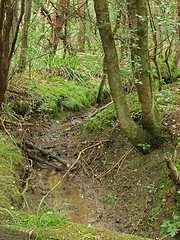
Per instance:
(45,152)
(33,157)
(172,168)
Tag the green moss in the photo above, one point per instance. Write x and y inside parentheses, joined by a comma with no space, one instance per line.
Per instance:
(73,231)
(20,107)
(102,119)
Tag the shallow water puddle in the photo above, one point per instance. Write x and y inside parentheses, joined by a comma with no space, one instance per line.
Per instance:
(70,197)
(70,194)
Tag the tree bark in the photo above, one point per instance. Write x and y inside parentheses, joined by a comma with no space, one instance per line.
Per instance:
(172,168)
(177,56)
(154,35)
(24,42)
(6,16)
(138,23)
(103,81)
(7,48)
(111,59)
(57,26)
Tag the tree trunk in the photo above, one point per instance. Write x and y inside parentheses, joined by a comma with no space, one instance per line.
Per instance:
(154,36)
(7,47)
(103,81)
(57,27)
(177,56)
(24,43)
(111,59)
(141,65)
(6,18)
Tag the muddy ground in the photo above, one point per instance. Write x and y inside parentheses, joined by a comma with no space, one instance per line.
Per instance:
(113,186)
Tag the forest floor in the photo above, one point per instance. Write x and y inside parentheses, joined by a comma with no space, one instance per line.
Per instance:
(112,186)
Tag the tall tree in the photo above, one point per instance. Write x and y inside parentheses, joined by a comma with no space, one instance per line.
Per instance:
(57,25)
(177,56)
(24,41)
(7,10)
(141,65)
(151,128)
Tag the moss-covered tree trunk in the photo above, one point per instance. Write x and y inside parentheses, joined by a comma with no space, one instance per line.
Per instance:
(103,81)
(141,65)
(137,136)
(114,78)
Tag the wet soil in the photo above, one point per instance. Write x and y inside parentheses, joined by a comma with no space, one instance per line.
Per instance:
(108,189)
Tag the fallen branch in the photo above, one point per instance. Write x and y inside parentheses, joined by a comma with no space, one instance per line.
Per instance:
(172,168)
(100,109)
(72,166)
(2,121)
(37,159)
(45,152)
(121,160)
(15,123)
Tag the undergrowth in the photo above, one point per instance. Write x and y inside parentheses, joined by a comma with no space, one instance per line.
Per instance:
(10,160)
(50,97)
(58,94)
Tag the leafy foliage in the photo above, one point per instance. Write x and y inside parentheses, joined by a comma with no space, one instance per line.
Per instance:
(171,228)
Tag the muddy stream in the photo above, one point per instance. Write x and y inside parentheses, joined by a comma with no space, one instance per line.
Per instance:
(75,195)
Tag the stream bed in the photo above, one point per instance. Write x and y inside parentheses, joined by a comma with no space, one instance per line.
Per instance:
(70,196)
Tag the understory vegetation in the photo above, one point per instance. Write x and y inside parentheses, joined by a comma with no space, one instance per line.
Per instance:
(165,205)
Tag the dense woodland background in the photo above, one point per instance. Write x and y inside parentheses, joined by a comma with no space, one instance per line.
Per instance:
(61,56)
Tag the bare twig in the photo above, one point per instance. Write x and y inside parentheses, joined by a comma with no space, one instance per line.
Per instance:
(2,121)
(72,166)
(100,109)
(120,160)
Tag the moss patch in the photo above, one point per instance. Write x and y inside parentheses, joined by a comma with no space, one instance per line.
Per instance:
(73,231)
(105,118)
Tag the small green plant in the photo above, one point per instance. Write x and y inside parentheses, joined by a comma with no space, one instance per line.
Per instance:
(109,198)
(171,228)
(150,188)
(138,183)
(47,217)
(43,218)
(144,146)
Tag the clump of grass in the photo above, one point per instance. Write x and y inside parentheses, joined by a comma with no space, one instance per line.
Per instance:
(44,218)
(10,159)
(58,95)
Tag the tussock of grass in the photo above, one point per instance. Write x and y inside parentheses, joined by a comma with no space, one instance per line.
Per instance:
(58,95)
(10,159)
